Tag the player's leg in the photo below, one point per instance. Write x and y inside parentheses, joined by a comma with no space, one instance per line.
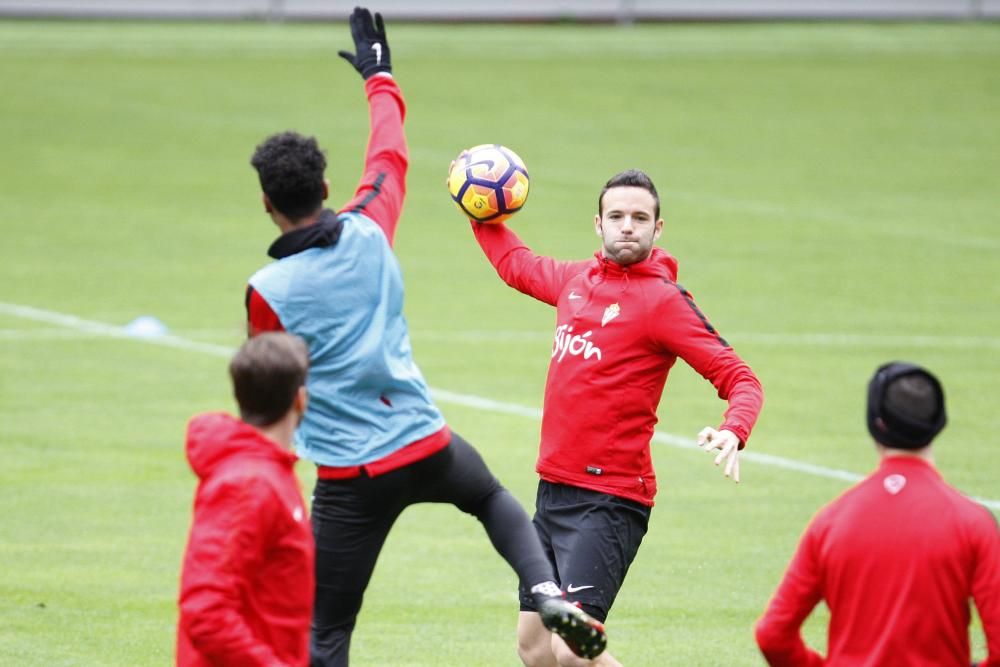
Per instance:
(593,538)
(537,646)
(351,519)
(534,641)
(565,656)
(458,475)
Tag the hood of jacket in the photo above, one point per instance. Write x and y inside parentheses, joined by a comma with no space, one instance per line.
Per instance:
(216,437)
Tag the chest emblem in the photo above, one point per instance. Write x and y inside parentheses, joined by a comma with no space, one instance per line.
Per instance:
(610,313)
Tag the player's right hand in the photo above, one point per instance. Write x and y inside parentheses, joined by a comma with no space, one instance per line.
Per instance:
(371,48)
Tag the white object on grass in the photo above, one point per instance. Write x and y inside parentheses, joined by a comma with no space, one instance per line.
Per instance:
(146,326)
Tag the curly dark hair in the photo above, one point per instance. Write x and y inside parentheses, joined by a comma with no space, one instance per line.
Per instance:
(629,178)
(290,167)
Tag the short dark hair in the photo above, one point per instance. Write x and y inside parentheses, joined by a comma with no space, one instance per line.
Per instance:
(630,178)
(267,372)
(290,167)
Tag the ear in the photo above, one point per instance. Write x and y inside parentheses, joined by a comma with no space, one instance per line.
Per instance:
(658,229)
(301,400)
(268,206)
(326,189)
(597,226)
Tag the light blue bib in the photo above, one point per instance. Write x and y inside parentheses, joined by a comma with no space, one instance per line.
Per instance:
(367,398)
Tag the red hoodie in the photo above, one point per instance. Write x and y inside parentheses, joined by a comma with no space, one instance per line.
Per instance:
(619,330)
(247,583)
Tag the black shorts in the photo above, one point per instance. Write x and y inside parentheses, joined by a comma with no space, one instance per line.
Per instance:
(591,539)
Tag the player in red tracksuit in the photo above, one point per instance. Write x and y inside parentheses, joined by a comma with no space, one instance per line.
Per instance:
(897,557)
(246,591)
(622,322)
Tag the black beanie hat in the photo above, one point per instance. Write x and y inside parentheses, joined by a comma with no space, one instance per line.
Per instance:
(904,419)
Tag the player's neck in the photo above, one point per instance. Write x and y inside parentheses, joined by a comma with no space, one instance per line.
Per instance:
(283,431)
(924,453)
(286,224)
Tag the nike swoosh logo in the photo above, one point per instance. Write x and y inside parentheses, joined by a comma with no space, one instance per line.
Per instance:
(574,589)
(574,295)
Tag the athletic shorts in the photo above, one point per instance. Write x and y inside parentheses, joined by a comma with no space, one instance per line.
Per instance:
(591,539)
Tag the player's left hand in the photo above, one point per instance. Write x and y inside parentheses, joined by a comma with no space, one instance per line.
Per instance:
(728,445)
(371,48)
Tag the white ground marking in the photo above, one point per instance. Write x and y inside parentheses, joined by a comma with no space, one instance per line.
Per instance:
(443,395)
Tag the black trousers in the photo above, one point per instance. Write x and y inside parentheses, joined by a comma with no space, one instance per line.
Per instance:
(351,519)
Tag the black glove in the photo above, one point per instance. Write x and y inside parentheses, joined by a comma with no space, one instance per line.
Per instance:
(372,54)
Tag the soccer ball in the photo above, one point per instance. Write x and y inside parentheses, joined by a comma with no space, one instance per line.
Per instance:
(489,183)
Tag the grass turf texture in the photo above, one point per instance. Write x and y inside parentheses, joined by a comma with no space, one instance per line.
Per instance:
(830,191)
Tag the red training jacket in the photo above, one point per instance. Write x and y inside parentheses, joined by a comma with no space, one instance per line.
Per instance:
(896,558)
(619,330)
(246,590)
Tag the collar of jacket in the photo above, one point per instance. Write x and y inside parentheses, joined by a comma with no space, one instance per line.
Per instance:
(660,263)
(324,232)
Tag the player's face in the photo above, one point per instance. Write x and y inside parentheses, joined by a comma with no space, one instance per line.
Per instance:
(628,224)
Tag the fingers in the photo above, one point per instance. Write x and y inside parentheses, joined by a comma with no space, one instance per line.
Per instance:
(361,23)
(728,445)
(346,55)
(725,451)
(733,466)
(379,25)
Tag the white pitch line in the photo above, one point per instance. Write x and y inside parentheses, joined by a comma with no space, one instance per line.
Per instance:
(443,395)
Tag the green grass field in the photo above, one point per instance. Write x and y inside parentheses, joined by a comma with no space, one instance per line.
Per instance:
(831,192)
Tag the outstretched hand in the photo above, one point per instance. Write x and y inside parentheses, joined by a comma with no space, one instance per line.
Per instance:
(371,54)
(728,445)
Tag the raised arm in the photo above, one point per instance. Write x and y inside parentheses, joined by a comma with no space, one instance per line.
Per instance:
(534,275)
(380,192)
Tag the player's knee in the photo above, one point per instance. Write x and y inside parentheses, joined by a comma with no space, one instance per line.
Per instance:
(535,654)
(533,648)
(565,657)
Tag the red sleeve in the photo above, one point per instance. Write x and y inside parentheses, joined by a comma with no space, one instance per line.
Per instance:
(260,317)
(380,193)
(986,587)
(684,330)
(226,545)
(534,275)
(778,631)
